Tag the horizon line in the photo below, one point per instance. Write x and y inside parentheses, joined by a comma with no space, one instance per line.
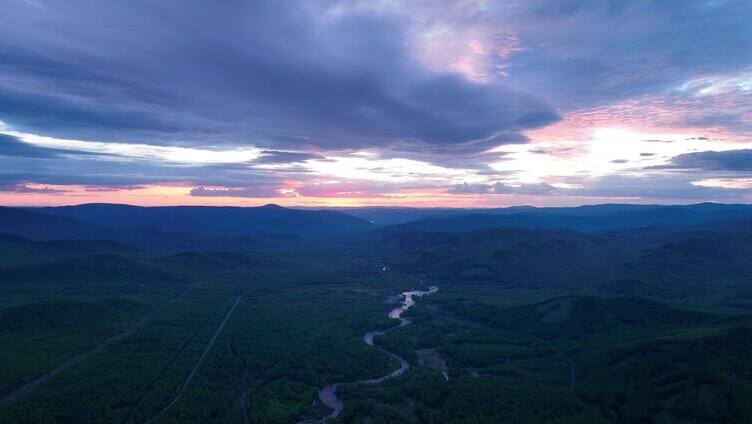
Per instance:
(521,206)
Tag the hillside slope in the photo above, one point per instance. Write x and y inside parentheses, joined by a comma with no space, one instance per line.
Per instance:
(269,219)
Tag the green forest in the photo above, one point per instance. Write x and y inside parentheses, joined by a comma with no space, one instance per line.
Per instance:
(527,326)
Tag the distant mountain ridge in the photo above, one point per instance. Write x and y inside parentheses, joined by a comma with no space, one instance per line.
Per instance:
(181,228)
(223,220)
(34,225)
(702,263)
(387,216)
(605,217)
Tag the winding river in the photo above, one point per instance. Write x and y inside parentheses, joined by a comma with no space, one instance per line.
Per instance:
(328,395)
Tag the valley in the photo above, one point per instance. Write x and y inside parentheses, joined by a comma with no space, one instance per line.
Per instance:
(530,325)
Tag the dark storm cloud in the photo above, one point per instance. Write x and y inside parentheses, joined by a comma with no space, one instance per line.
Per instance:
(195,73)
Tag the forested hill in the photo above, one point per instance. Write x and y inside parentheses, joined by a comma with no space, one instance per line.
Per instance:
(584,218)
(108,220)
(269,219)
(708,264)
(124,314)
(36,225)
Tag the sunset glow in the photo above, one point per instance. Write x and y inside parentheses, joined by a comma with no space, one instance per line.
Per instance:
(456,103)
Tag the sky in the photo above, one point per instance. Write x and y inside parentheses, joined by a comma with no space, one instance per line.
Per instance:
(376,102)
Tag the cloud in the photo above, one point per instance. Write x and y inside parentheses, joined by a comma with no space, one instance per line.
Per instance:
(12,146)
(168,154)
(25,188)
(248,192)
(245,99)
(588,52)
(348,189)
(257,72)
(111,171)
(730,160)
(655,187)
(533,189)
(279,157)
(502,188)
(715,85)
(466,188)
